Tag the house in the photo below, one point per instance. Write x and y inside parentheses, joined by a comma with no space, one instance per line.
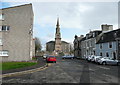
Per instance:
(16,33)
(108,44)
(86,45)
(77,46)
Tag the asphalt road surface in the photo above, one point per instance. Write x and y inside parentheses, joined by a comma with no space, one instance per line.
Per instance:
(70,71)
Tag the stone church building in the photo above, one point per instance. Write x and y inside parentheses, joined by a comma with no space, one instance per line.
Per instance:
(58,45)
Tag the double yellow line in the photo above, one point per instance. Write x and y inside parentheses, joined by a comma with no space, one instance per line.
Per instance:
(25,72)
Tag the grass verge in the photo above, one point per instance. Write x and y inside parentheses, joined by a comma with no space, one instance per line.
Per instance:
(14,65)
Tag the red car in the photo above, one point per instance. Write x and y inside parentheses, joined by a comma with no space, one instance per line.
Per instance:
(51,59)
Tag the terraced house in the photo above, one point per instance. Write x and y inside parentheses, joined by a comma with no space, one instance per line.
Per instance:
(105,42)
(108,44)
(16,33)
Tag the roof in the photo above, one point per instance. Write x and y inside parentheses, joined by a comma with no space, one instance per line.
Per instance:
(54,42)
(90,34)
(50,42)
(108,36)
(16,6)
(64,42)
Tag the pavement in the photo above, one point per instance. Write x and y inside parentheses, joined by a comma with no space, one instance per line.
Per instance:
(41,63)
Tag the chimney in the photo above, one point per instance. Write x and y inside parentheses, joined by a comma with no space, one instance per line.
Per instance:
(106,27)
(81,36)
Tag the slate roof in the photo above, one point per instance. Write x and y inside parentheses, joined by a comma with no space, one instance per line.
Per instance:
(108,36)
(90,35)
(54,42)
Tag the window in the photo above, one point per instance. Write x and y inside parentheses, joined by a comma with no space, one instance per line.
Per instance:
(100,54)
(4,28)
(110,44)
(102,38)
(3,53)
(107,55)
(0,41)
(93,34)
(0,28)
(100,46)
(1,16)
(114,55)
(91,43)
(94,52)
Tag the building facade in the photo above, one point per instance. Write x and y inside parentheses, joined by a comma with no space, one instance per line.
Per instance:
(86,46)
(58,46)
(16,33)
(77,46)
(50,46)
(65,47)
(108,47)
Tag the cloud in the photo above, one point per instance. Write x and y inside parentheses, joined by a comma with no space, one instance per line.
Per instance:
(60,0)
(75,17)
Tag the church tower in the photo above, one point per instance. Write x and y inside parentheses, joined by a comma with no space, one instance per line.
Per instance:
(58,38)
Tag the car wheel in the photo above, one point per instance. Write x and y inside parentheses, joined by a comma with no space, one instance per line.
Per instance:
(118,63)
(104,63)
(98,63)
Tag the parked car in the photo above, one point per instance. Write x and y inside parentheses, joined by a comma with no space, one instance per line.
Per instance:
(68,57)
(95,58)
(51,59)
(45,56)
(107,60)
(89,58)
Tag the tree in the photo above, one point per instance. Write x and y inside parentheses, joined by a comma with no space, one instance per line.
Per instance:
(71,49)
(38,45)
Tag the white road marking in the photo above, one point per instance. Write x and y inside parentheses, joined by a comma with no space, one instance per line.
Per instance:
(103,67)
(91,69)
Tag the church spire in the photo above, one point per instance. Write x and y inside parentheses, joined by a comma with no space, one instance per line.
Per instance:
(58,37)
(57,26)
(58,21)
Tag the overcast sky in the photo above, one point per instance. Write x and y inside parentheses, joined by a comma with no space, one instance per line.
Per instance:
(76,18)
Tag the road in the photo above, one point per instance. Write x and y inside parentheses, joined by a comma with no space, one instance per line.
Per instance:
(70,71)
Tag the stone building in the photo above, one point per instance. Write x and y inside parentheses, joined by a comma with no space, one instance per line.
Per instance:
(58,45)
(85,46)
(77,46)
(50,46)
(16,33)
(88,43)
